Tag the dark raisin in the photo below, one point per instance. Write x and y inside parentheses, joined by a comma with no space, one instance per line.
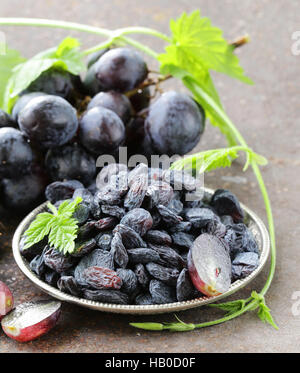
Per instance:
(30,252)
(161,293)
(81,213)
(101,278)
(131,239)
(143,299)
(106,296)
(158,237)
(176,206)
(37,265)
(103,240)
(166,275)
(60,190)
(67,284)
(216,228)
(183,226)
(129,281)
(168,216)
(83,247)
(226,203)
(185,289)
(200,217)
(105,223)
(244,264)
(57,261)
(136,193)
(160,193)
(140,170)
(51,277)
(138,219)
(95,208)
(142,255)
(142,275)
(85,194)
(109,195)
(183,240)
(97,258)
(168,256)
(113,210)
(118,251)
(86,231)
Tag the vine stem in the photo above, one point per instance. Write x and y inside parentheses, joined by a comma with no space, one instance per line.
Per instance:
(116,35)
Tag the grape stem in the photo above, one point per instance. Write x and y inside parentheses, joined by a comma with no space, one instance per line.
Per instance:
(119,37)
(148,83)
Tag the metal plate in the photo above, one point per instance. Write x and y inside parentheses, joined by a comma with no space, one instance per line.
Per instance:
(254,223)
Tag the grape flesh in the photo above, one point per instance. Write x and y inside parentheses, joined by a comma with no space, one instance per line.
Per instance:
(70,162)
(101,131)
(174,124)
(114,101)
(49,121)
(16,155)
(120,69)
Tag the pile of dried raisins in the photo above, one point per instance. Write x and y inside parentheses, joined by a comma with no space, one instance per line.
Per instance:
(135,231)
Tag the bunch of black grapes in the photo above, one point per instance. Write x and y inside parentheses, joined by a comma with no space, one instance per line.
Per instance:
(61,123)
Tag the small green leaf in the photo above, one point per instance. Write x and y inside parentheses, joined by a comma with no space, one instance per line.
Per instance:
(66,57)
(179,327)
(147,325)
(68,207)
(197,47)
(8,61)
(264,312)
(63,234)
(230,307)
(38,229)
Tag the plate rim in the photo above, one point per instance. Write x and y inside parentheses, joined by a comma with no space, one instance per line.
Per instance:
(139,309)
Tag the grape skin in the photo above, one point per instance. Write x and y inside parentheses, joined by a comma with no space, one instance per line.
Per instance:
(120,69)
(101,131)
(48,121)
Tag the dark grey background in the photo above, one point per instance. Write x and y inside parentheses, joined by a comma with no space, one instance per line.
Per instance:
(267,114)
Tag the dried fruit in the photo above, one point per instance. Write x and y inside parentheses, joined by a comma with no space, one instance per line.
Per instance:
(118,251)
(226,203)
(200,217)
(6,300)
(97,258)
(184,288)
(167,275)
(161,293)
(129,281)
(143,255)
(130,237)
(57,261)
(136,193)
(83,247)
(101,278)
(103,240)
(142,275)
(113,210)
(158,237)
(68,284)
(106,296)
(244,264)
(138,219)
(105,223)
(183,240)
(168,256)
(31,320)
(143,299)
(168,216)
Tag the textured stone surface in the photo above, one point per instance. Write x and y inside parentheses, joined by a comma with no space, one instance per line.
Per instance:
(267,115)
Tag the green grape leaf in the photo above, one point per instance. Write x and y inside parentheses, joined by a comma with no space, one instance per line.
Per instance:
(63,234)
(59,225)
(264,312)
(8,61)
(38,229)
(66,57)
(197,47)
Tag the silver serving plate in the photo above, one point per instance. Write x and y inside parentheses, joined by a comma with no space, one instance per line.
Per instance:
(255,224)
